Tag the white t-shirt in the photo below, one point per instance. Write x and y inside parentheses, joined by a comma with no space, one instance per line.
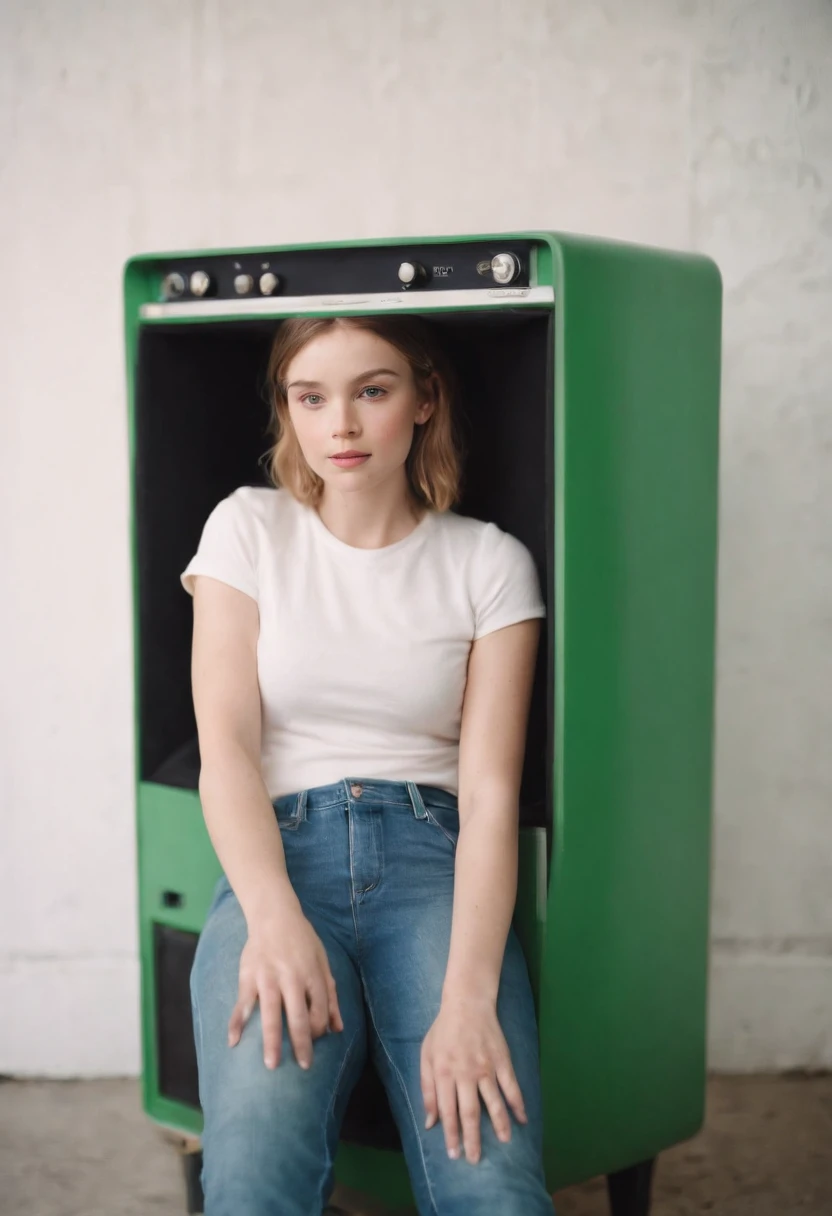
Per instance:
(363,653)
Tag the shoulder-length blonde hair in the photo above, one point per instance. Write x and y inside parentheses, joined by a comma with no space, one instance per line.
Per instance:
(434,463)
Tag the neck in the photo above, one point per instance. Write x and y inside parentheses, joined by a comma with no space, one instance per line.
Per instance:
(372,519)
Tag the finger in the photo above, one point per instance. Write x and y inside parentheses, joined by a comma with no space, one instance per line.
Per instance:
(297,1020)
(336,1022)
(469,1114)
(446,1100)
(428,1091)
(511,1089)
(241,1013)
(496,1108)
(317,1004)
(271,1021)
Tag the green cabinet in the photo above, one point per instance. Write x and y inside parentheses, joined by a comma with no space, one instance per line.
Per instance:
(591,407)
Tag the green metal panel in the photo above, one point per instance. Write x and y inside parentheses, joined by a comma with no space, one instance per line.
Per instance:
(175,854)
(623,1002)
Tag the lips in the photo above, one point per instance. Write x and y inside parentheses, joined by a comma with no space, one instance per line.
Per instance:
(348,455)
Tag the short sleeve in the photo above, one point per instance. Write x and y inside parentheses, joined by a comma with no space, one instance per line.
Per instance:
(507,584)
(226,548)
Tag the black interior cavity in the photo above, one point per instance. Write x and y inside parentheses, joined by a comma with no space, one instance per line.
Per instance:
(201,419)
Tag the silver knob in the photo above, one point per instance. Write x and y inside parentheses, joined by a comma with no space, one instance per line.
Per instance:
(173,285)
(505,267)
(243,284)
(269,283)
(200,283)
(411,272)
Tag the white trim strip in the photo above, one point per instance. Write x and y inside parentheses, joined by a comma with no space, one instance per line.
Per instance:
(488,297)
(542,866)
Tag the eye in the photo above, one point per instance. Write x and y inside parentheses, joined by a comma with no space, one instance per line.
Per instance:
(375,389)
(307,399)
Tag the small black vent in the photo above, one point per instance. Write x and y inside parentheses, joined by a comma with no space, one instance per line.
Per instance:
(175,1050)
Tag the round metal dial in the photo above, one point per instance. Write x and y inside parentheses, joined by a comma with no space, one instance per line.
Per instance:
(200,283)
(411,273)
(173,285)
(505,267)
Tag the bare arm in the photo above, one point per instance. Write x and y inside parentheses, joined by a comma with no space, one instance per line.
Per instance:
(284,965)
(465,1056)
(492,747)
(236,805)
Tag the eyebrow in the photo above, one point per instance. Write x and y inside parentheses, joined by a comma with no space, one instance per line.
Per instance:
(374,371)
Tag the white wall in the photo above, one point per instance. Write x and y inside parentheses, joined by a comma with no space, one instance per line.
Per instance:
(178,123)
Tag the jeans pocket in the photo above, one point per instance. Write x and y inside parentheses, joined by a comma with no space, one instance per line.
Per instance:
(446,818)
(287,814)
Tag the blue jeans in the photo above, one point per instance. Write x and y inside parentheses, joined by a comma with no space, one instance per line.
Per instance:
(372,863)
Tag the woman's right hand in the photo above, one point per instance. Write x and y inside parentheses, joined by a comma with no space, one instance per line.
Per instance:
(284,966)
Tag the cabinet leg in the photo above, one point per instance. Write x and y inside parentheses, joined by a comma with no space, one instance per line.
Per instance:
(192,1163)
(629,1189)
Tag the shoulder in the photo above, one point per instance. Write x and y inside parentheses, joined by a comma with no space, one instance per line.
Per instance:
(462,530)
(499,571)
(233,538)
(483,541)
(256,511)
(257,502)
(249,519)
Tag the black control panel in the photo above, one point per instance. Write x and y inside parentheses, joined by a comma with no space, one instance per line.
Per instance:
(349,271)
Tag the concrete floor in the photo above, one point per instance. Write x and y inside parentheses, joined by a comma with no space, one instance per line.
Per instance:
(86,1149)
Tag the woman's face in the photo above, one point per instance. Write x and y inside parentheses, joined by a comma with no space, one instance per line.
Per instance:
(349,390)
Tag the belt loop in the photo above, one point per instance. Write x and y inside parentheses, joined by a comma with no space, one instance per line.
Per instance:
(300,810)
(416,800)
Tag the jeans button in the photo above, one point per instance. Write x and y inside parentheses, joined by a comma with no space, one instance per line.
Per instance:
(356,790)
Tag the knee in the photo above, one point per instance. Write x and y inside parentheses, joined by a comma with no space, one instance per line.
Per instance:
(508,1178)
(239,1088)
(481,1190)
(236,1085)
(270,1134)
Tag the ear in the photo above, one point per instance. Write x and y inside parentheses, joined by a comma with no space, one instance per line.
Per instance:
(426,407)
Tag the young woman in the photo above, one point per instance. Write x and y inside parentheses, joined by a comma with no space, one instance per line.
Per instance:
(362,670)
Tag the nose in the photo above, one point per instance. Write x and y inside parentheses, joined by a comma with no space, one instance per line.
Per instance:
(345,421)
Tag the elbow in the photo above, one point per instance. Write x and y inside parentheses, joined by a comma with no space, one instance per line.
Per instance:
(227,762)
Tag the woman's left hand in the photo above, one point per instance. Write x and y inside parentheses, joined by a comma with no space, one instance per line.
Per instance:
(464,1057)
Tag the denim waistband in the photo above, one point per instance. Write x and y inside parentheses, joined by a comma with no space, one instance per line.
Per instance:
(361,790)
